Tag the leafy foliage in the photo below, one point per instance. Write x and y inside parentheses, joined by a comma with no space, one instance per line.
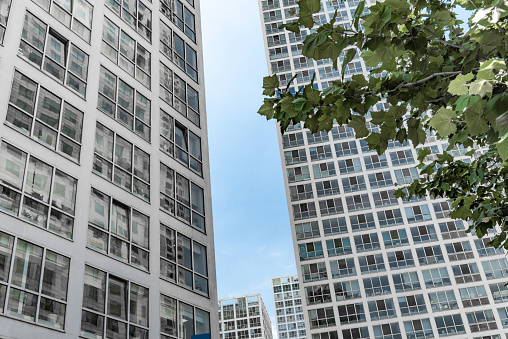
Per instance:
(436,76)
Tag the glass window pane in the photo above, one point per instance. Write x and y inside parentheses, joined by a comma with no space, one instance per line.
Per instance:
(168,315)
(141,164)
(184,249)
(197,199)
(72,122)
(51,313)
(99,209)
(123,153)
(56,275)
(6,246)
(12,165)
(168,243)
(140,229)
(120,220)
(38,179)
(195,146)
(186,320)
(139,305)
(64,192)
(167,181)
(23,93)
(92,325)
(78,63)
(117,298)
(200,259)
(48,108)
(34,31)
(27,266)
(22,304)
(202,322)
(104,142)
(94,294)
(126,97)
(182,190)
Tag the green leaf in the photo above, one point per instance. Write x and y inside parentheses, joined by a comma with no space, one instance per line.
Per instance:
(498,104)
(370,58)
(270,83)
(307,8)
(312,94)
(358,14)
(329,49)
(349,56)
(474,119)
(293,27)
(466,101)
(487,67)
(458,86)
(267,109)
(442,122)
(480,87)
(357,123)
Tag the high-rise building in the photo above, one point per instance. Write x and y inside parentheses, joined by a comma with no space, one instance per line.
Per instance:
(290,318)
(244,317)
(105,209)
(372,265)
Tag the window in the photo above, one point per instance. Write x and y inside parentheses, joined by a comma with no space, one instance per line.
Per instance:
(272,16)
(362,222)
(343,268)
(481,321)
(255,322)
(135,14)
(297,174)
(354,184)
(292,140)
(278,53)
(46,191)
(123,103)
(53,122)
(273,28)
(311,250)
(323,335)
(304,211)
(442,301)
(381,179)
(338,246)
(178,51)
(452,229)
(418,329)
(356,333)
(430,255)
(314,272)
(5,7)
(384,198)
(351,313)
(381,309)
(442,209)
(390,218)
(127,306)
(475,296)
(321,317)
(55,55)
(182,320)
(346,148)
(400,259)
(118,230)
(346,290)
(318,294)
(300,62)
(307,230)
(402,157)
(334,226)
(76,15)
(328,72)
(497,268)
(175,92)
(281,65)
(371,263)
(342,132)
(484,249)
(119,161)
(350,166)
(406,175)
(503,314)
(367,242)
(323,170)
(418,213)
(407,281)
(459,251)
(395,238)
(387,331)
(330,206)
(375,161)
(450,325)
(466,273)
(37,288)
(190,202)
(314,138)
(436,277)
(327,187)
(183,261)
(424,233)
(376,286)
(412,304)
(357,202)
(296,156)
(124,51)
(499,292)
(320,153)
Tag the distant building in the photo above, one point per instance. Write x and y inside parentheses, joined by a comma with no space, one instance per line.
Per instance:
(289,314)
(244,317)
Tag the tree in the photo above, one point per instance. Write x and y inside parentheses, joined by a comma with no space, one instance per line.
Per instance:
(436,76)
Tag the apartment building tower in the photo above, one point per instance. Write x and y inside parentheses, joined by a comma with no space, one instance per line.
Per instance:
(105,209)
(289,313)
(371,265)
(244,317)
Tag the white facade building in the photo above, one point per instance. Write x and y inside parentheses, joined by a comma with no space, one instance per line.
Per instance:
(244,317)
(290,318)
(105,209)
(372,265)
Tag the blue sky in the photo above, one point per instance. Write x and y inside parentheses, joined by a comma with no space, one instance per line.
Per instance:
(252,233)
